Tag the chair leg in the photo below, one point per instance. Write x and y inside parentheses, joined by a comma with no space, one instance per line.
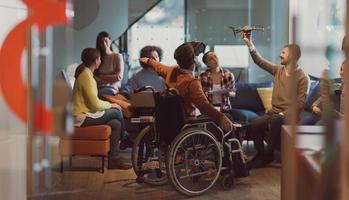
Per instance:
(61,164)
(70,161)
(102,170)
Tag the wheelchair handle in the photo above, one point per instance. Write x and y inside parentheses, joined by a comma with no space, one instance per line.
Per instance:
(144,88)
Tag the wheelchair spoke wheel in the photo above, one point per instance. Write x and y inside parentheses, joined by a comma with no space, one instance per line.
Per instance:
(194,161)
(148,159)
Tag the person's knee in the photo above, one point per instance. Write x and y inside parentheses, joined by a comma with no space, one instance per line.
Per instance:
(114,113)
(259,123)
(117,114)
(277,119)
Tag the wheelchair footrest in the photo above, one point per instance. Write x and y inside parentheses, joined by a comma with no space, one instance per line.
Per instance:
(237,125)
(142,119)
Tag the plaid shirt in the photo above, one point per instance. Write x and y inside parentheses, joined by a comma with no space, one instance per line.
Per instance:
(227,82)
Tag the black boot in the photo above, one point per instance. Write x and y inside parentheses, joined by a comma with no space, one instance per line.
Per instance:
(126,143)
(261,160)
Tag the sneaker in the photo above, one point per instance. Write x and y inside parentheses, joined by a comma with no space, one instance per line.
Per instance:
(118,163)
(260,160)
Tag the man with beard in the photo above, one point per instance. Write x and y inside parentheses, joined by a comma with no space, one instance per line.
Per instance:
(290,87)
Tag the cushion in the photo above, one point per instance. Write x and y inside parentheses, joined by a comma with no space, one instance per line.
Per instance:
(98,132)
(312,96)
(84,147)
(254,85)
(247,96)
(265,94)
(122,102)
(68,74)
(314,78)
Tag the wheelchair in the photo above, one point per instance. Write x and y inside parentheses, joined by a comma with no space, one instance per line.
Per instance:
(191,154)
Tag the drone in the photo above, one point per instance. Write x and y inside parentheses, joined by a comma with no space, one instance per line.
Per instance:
(246,29)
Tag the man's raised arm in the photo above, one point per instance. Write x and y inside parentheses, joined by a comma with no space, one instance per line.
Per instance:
(257,58)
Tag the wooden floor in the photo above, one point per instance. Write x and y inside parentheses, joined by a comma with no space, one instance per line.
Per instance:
(85,183)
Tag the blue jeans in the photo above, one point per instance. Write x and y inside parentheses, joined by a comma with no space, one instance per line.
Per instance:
(112,118)
(106,91)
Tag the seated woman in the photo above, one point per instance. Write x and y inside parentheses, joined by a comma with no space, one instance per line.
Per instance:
(324,98)
(146,76)
(214,79)
(89,110)
(181,77)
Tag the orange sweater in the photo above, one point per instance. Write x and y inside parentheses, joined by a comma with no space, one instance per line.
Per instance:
(190,90)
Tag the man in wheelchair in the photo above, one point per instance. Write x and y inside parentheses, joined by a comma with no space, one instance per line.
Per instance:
(196,156)
(189,87)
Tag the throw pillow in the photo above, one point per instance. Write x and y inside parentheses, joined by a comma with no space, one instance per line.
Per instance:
(312,96)
(265,94)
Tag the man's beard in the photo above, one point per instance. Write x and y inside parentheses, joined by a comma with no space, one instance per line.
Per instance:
(284,62)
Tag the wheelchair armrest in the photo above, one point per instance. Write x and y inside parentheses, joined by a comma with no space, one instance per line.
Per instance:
(198,120)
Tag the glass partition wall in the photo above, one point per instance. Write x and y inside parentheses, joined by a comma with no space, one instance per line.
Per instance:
(162,26)
(209,21)
(170,23)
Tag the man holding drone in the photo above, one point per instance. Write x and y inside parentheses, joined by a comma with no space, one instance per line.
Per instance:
(290,85)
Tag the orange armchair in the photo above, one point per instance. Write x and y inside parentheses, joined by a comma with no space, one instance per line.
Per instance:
(91,141)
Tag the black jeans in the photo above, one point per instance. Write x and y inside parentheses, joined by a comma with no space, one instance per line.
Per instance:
(268,128)
(110,117)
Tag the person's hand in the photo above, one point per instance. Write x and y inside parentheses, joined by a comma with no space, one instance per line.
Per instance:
(316,110)
(144,60)
(341,115)
(247,37)
(114,105)
(226,124)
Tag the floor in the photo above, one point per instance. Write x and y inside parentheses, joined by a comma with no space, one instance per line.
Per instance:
(85,183)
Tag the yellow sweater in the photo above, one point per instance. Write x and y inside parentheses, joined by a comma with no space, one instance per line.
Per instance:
(85,98)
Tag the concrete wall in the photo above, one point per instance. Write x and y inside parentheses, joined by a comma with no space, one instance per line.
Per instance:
(91,17)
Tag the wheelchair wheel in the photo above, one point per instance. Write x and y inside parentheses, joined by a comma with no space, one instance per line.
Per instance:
(148,160)
(194,161)
(227,181)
